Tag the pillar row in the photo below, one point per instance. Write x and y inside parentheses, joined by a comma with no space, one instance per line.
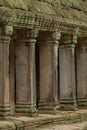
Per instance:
(67,72)
(49,74)
(26,75)
(81,62)
(5,33)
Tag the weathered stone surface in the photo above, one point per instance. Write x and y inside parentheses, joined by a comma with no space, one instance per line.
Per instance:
(78,5)
(58,10)
(22,73)
(67,74)
(12,76)
(81,60)
(25,75)
(5,33)
(45,73)
(23,79)
(63,118)
(48,52)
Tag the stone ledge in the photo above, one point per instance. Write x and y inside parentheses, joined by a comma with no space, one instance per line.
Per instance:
(25,123)
(7,125)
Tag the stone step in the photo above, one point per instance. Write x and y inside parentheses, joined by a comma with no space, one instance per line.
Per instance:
(30,123)
(76,126)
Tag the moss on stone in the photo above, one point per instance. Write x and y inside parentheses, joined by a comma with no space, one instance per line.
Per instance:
(71,9)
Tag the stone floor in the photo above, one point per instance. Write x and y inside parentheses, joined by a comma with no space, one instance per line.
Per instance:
(64,120)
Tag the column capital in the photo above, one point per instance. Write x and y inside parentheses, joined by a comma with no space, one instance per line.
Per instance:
(6,32)
(75,30)
(56,37)
(33,35)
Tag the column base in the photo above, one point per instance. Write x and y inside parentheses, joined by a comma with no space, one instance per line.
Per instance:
(82,103)
(68,105)
(4,112)
(48,108)
(26,110)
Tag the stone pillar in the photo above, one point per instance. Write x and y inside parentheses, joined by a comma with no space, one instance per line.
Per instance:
(67,72)
(26,76)
(5,33)
(55,65)
(81,61)
(49,74)
(31,46)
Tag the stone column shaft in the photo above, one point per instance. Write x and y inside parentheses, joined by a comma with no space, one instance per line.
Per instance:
(31,46)
(5,34)
(31,43)
(81,62)
(67,73)
(55,65)
(55,72)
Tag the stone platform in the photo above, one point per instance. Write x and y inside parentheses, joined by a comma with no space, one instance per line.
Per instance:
(75,126)
(28,123)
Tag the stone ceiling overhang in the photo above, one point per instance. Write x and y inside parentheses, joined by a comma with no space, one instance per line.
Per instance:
(45,14)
